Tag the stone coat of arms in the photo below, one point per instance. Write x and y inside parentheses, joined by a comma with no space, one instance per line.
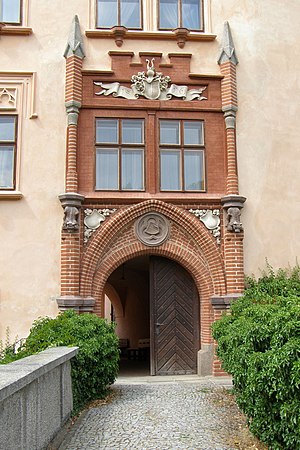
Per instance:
(151,85)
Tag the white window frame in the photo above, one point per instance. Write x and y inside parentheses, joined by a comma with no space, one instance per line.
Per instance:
(150,16)
(24,7)
(20,102)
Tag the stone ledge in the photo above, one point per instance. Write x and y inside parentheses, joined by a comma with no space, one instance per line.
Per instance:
(16,375)
(223,302)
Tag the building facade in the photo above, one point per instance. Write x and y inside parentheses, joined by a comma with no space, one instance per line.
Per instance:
(143,164)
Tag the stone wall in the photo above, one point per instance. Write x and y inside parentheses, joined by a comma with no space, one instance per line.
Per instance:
(35,398)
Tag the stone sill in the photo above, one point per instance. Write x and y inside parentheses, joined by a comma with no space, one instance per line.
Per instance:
(15,30)
(133,197)
(120,35)
(10,195)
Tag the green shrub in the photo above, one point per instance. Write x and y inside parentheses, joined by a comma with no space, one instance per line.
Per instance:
(259,344)
(96,365)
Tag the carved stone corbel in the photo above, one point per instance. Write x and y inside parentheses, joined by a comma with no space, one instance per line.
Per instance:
(71,203)
(233,205)
(181,35)
(119,33)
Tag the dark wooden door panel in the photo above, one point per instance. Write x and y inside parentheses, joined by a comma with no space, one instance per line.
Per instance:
(174,319)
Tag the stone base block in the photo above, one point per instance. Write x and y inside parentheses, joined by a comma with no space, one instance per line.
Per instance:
(205,360)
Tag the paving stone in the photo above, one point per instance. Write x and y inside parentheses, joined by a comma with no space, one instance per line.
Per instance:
(154,416)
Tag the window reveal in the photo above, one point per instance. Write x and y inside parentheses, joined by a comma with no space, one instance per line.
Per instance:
(8,146)
(125,13)
(182,155)
(10,11)
(181,13)
(120,154)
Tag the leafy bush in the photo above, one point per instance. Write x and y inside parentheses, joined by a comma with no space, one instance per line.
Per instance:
(259,344)
(96,365)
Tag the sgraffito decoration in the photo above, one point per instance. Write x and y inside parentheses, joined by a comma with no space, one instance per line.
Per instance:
(152,229)
(151,85)
(211,219)
(93,219)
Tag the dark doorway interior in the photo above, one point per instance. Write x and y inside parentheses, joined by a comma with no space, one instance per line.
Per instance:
(157,319)
(131,283)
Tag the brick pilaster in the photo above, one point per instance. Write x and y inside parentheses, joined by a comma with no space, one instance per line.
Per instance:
(220,305)
(232,202)
(228,62)
(71,201)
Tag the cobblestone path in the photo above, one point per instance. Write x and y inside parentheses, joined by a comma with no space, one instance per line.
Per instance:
(155,416)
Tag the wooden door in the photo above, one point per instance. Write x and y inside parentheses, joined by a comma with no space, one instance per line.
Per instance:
(174,307)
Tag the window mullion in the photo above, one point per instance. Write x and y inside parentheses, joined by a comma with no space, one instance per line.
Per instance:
(120,168)
(120,140)
(119,12)
(180,13)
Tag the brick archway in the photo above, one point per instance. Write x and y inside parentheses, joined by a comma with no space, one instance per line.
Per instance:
(189,244)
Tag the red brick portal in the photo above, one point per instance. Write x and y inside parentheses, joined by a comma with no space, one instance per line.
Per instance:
(190,244)
(216,269)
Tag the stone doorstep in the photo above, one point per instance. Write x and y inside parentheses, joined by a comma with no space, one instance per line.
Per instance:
(225,382)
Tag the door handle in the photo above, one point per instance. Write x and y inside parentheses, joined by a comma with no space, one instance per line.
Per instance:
(159,324)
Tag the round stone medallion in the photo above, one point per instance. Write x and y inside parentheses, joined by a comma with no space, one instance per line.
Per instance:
(152,229)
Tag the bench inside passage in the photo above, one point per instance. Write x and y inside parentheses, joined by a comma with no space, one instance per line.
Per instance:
(141,352)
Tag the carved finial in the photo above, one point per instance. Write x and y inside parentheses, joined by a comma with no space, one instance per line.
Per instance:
(227,50)
(75,41)
(150,65)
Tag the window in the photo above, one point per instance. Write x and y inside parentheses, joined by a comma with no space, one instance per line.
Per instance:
(8,147)
(10,11)
(119,12)
(181,155)
(120,154)
(181,13)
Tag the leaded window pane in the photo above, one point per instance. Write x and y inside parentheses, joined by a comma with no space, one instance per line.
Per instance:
(169,132)
(107,13)
(10,11)
(168,14)
(130,13)
(7,167)
(191,14)
(193,133)
(107,175)
(107,131)
(7,128)
(132,169)
(170,170)
(193,170)
(132,131)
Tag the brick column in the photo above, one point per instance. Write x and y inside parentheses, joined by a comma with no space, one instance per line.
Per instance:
(232,202)
(71,201)
(220,305)
(228,62)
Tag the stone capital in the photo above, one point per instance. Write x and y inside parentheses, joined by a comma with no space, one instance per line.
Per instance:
(72,109)
(78,303)
(233,200)
(223,302)
(71,199)
(230,116)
